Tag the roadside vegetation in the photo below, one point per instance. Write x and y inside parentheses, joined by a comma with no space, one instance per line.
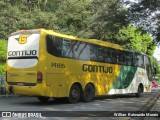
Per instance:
(107,20)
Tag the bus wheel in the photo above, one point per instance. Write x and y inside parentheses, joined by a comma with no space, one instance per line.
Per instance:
(74,94)
(139,91)
(89,93)
(43,99)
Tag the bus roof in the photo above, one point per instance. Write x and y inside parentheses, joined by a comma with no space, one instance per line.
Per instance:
(92,41)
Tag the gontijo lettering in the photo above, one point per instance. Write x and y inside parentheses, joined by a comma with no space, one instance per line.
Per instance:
(96,68)
(22,53)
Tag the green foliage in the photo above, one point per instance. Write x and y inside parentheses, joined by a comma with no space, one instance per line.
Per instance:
(155,65)
(136,39)
(146,13)
(2,68)
(73,16)
(3,51)
(23,14)
(108,16)
(99,19)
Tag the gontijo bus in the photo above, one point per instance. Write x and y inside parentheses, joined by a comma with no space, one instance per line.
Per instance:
(47,64)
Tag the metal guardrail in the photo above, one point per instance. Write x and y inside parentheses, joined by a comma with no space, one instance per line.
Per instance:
(2,84)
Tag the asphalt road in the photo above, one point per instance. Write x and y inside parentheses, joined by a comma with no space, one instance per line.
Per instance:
(60,110)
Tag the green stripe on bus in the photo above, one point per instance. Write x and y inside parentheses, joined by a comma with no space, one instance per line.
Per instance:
(125,77)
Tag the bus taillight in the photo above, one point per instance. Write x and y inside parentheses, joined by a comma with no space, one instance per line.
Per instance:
(39,77)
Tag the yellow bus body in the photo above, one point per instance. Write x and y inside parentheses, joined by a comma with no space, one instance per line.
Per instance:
(59,74)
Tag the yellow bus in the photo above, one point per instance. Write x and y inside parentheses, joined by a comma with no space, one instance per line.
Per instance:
(47,64)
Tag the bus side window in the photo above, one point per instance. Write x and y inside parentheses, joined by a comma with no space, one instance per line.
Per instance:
(148,67)
(100,54)
(70,53)
(93,52)
(113,56)
(54,45)
(107,57)
(50,43)
(135,60)
(129,58)
(140,60)
(79,50)
(83,51)
(121,57)
(66,45)
(58,46)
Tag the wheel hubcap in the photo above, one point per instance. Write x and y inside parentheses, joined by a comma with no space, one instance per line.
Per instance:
(74,93)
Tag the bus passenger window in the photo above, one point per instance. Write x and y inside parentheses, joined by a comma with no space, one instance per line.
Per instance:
(135,60)
(140,60)
(100,54)
(120,57)
(114,56)
(93,52)
(70,53)
(129,59)
(83,51)
(107,57)
(58,46)
(66,45)
(148,67)
(54,45)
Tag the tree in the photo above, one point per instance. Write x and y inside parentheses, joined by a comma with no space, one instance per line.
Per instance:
(108,16)
(22,14)
(3,51)
(155,66)
(135,38)
(146,13)
(98,19)
(73,16)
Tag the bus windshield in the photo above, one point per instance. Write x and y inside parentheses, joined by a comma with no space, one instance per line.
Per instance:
(23,50)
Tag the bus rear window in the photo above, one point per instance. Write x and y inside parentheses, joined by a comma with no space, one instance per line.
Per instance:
(23,50)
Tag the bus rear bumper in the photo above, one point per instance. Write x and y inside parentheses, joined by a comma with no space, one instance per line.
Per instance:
(25,90)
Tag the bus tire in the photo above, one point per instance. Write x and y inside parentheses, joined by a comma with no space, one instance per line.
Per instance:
(88,93)
(139,91)
(74,94)
(43,99)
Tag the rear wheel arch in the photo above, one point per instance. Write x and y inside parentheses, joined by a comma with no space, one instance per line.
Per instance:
(78,84)
(140,90)
(89,92)
(142,86)
(75,91)
(91,84)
